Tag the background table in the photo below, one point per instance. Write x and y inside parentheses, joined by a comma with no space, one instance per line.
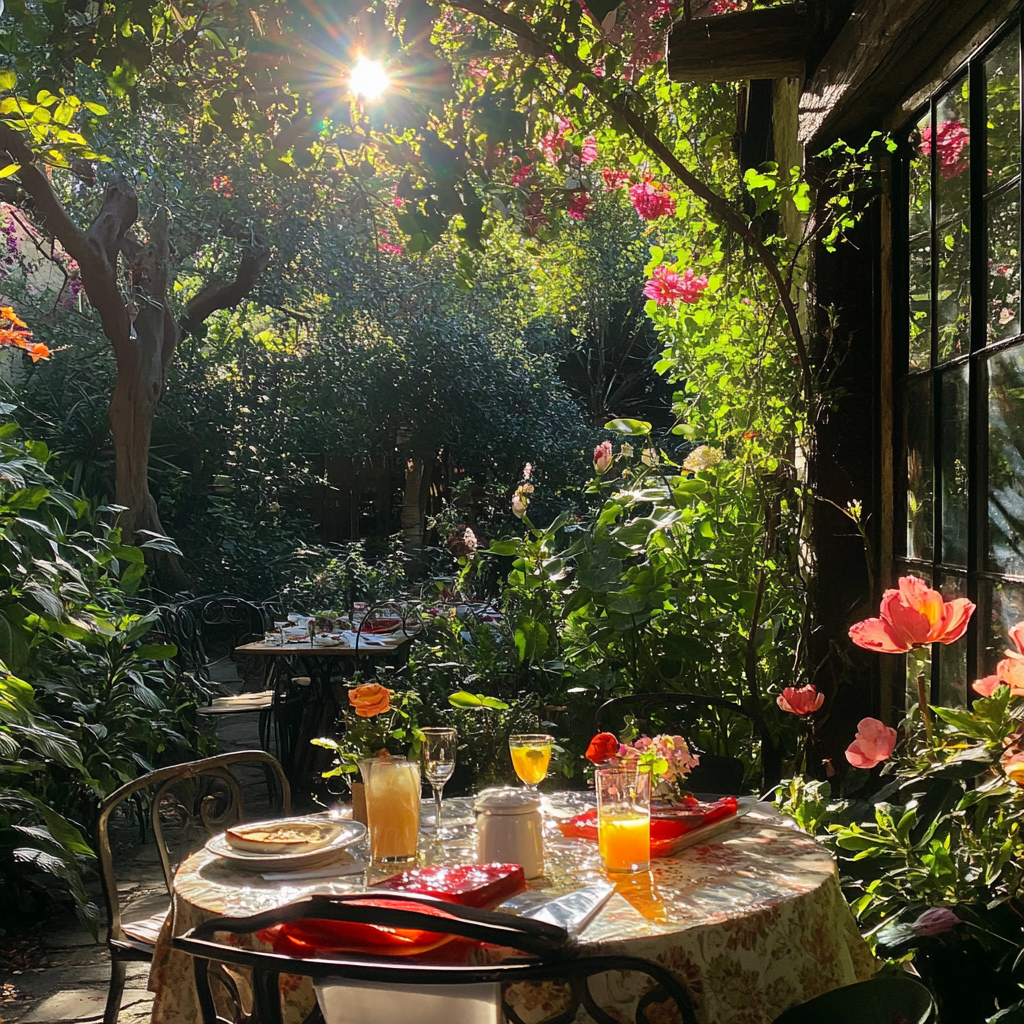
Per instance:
(320,708)
(752,922)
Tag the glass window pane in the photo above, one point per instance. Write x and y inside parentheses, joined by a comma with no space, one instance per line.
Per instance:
(1002,102)
(952,657)
(954,466)
(1005,540)
(917,431)
(1004,608)
(921,249)
(1003,212)
(952,187)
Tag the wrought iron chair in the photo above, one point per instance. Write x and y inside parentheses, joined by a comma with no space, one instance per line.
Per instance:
(544,953)
(718,773)
(876,1001)
(131,933)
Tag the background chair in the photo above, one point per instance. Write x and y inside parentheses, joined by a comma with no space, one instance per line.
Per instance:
(213,792)
(548,956)
(877,1001)
(710,726)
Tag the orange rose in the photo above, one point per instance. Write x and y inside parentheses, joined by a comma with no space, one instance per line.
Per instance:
(1012,763)
(370,700)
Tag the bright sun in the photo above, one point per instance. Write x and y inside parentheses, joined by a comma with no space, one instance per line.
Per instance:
(368,79)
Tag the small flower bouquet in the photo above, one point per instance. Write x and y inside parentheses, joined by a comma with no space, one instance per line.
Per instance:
(378,722)
(668,758)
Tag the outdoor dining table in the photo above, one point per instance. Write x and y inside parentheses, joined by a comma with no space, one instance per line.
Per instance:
(752,921)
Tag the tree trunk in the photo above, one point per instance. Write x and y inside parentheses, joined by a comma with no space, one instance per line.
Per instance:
(412,507)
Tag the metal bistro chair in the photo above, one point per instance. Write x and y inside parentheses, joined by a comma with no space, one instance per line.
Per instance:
(876,1001)
(132,930)
(382,990)
(717,773)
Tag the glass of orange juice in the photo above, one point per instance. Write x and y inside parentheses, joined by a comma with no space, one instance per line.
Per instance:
(624,818)
(392,788)
(531,755)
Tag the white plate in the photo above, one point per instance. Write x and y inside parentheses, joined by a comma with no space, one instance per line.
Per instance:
(350,832)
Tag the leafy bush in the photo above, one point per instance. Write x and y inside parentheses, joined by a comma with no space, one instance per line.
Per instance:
(85,704)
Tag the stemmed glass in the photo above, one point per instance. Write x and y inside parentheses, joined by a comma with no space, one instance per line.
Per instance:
(531,755)
(438,764)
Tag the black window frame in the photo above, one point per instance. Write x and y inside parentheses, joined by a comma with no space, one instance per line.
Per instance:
(975,578)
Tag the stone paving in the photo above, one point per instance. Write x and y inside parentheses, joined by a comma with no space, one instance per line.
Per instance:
(63,977)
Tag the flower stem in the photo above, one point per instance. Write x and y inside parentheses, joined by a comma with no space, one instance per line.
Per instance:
(926,715)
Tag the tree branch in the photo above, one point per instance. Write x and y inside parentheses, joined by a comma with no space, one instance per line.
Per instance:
(96,250)
(220,295)
(732,217)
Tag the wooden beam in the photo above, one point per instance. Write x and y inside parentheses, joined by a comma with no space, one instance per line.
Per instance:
(885,51)
(767,43)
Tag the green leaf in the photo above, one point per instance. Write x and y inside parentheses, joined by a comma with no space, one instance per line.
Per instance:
(630,427)
(156,652)
(6,172)
(8,79)
(465,699)
(504,547)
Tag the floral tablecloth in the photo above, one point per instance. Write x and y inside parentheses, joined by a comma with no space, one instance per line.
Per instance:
(752,922)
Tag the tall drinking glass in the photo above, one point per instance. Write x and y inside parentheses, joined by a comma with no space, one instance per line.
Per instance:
(624,818)
(392,789)
(531,755)
(438,765)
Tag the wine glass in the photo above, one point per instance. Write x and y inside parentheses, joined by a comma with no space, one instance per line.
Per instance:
(531,755)
(438,764)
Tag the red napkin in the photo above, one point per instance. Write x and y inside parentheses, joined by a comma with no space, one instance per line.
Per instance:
(666,828)
(471,885)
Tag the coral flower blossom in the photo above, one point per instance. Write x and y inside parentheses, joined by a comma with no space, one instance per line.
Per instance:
(803,701)
(913,616)
(873,744)
(1009,672)
(602,747)
(370,699)
(603,456)
(1012,763)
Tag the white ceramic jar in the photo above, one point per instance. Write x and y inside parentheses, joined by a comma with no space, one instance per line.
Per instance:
(510,829)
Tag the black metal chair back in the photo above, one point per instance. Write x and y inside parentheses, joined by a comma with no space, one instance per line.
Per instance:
(134,941)
(545,953)
(688,714)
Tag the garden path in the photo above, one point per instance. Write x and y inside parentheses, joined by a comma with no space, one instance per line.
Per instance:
(60,975)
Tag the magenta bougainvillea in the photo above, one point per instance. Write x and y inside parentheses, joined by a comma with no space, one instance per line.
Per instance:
(651,199)
(951,138)
(666,286)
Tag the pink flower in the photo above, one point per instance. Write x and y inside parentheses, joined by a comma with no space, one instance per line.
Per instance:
(603,456)
(935,921)
(520,173)
(393,250)
(952,138)
(614,179)
(588,154)
(803,701)
(579,205)
(651,199)
(1009,672)
(913,616)
(666,286)
(873,744)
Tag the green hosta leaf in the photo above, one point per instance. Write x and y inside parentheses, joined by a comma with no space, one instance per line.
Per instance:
(531,640)
(630,427)
(465,699)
